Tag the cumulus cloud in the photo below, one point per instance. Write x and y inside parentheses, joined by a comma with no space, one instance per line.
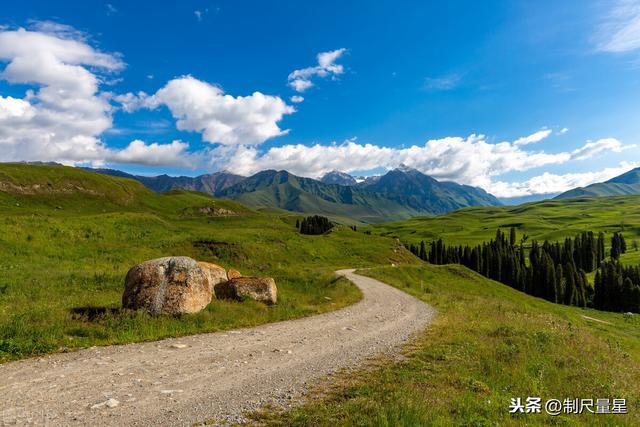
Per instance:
(154,154)
(553,183)
(63,113)
(620,31)
(62,117)
(301,80)
(533,138)
(297,99)
(471,160)
(130,102)
(221,118)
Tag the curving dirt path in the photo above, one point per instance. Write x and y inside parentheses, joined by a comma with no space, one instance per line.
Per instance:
(181,381)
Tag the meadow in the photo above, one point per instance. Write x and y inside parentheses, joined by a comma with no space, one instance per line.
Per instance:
(551,220)
(68,238)
(488,344)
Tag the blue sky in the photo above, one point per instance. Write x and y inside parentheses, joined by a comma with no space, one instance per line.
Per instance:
(196,86)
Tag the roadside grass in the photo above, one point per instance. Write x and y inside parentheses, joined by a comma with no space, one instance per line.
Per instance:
(488,344)
(64,256)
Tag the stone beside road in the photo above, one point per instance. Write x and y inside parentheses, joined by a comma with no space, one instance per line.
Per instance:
(170,285)
(182,285)
(261,289)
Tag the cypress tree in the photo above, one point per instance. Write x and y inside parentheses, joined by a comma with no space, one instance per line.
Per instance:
(512,236)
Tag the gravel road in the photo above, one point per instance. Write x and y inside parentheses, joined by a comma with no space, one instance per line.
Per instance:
(182,381)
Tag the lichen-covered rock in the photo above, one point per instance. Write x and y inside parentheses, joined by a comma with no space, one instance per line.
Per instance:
(233,274)
(170,285)
(214,272)
(261,289)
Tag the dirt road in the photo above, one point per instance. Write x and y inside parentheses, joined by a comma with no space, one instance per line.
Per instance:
(181,381)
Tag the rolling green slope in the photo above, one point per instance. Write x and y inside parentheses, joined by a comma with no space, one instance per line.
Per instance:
(68,238)
(488,344)
(603,189)
(551,219)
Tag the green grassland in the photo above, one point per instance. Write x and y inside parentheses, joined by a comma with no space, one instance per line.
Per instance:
(552,220)
(68,237)
(488,344)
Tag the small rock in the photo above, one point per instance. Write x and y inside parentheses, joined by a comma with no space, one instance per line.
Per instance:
(109,403)
(177,345)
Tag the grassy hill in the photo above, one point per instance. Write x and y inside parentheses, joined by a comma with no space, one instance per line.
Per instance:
(551,219)
(488,344)
(68,237)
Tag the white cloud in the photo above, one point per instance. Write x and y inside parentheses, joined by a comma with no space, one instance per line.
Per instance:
(563,131)
(297,99)
(300,85)
(63,114)
(301,80)
(202,107)
(138,152)
(592,148)
(552,183)
(131,102)
(620,31)
(470,160)
(442,83)
(533,138)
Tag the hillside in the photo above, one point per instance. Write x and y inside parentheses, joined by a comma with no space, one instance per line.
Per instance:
(283,190)
(399,194)
(421,192)
(488,345)
(550,219)
(210,184)
(69,236)
(625,184)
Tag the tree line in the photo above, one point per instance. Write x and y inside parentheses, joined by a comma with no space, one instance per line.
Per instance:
(556,271)
(315,224)
(616,287)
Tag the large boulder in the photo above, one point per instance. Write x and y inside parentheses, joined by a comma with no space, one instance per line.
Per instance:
(214,272)
(261,289)
(170,285)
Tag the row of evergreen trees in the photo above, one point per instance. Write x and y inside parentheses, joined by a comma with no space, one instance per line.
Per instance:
(617,288)
(554,271)
(314,225)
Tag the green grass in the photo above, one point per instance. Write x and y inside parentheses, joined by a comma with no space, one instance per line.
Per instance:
(68,238)
(488,344)
(551,220)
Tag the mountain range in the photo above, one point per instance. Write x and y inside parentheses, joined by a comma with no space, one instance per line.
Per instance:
(623,185)
(399,194)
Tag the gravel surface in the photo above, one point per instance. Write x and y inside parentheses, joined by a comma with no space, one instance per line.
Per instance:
(219,376)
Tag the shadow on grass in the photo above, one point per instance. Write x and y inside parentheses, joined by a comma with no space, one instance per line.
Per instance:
(94,314)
